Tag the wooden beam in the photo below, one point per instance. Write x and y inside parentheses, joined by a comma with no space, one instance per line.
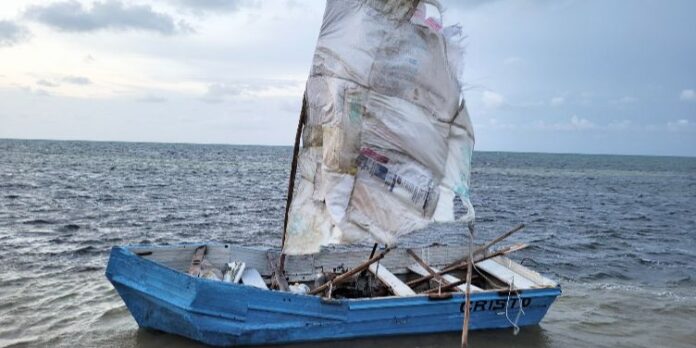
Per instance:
(372,254)
(343,277)
(427,267)
(418,269)
(464,263)
(446,287)
(482,250)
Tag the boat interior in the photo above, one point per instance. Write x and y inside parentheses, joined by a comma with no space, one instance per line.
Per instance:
(434,270)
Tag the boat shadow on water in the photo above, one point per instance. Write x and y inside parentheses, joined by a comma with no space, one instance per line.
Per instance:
(532,336)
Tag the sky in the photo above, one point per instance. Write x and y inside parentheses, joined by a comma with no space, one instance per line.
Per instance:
(570,76)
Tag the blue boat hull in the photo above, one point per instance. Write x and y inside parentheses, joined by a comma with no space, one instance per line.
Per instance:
(224,314)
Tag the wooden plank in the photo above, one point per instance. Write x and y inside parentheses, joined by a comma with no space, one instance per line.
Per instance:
(178,257)
(398,287)
(418,269)
(252,277)
(534,276)
(505,274)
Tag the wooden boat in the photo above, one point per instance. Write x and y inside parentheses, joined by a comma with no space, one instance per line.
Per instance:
(154,284)
(387,147)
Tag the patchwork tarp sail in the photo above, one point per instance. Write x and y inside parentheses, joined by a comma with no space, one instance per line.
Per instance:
(387,140)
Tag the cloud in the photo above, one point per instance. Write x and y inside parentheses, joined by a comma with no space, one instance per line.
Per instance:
(47,83)
(201,6)
(679,125)
(620,125)
(556,101)
(36,91)
(77,80)
(580,123)
(12,33)
(512,60)
(492,100)
(73,80)
(254,89)
(575,124)
(217,92)
(688,95)
(72,16)
(152,99)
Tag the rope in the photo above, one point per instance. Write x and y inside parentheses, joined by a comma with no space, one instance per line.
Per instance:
(515,327)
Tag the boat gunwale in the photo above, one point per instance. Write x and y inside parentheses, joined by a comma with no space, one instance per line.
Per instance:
(129,249)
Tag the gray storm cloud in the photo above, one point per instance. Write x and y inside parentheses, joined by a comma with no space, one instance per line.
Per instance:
(12,33)
(72,16)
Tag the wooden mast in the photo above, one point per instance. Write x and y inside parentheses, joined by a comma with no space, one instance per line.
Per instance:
(467,303)
(291,182)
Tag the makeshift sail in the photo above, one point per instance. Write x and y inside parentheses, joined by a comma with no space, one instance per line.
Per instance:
(387,140)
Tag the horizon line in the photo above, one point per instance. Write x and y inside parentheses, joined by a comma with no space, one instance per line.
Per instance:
(291,145)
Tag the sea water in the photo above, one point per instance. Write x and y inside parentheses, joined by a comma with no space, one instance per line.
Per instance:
(618,233)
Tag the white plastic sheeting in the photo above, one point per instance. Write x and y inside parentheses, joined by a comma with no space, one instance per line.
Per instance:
(387,142)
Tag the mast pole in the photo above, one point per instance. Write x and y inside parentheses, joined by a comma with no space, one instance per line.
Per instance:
(291,183)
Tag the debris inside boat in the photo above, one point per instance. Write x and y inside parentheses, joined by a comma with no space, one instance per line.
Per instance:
(372,278)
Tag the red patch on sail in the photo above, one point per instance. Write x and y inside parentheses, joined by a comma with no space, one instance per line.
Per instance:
(370,153)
